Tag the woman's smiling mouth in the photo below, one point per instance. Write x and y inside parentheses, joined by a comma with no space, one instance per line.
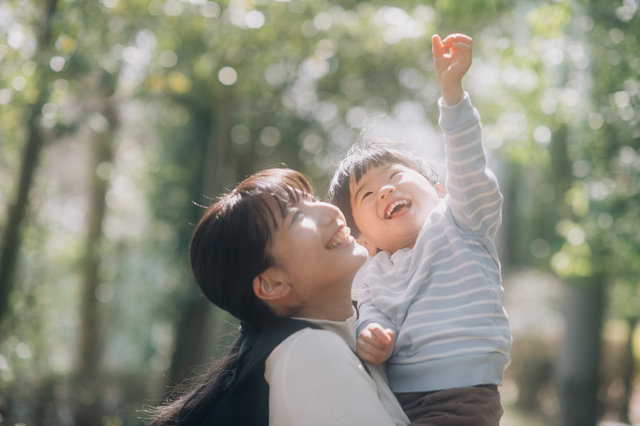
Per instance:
(341,236)
(396,208)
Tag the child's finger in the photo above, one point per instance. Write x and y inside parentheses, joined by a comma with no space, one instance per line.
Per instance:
(380,334)
(369,351)
(436,46)
(367,337)
(462,46)
(371,355)
(391,334)
(457,38)
(374,326)
(365,356)
(374,342)
(365,334)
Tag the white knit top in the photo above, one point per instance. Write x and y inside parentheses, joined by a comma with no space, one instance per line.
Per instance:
(316,379)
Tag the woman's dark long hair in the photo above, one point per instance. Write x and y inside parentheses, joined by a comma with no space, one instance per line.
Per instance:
(229,248)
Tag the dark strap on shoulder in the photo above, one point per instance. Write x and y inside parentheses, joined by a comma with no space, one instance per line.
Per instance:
(265,342)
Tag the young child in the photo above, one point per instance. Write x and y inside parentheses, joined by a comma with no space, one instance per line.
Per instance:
(430,302)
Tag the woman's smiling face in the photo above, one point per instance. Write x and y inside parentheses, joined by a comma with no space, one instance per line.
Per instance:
(313,247)
(390,204)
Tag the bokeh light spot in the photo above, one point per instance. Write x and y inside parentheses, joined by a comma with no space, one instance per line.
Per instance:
(57,63)
(168,59)
(227,76)
(254,19)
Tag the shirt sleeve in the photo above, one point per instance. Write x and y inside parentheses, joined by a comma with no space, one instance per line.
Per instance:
(368,312)
(475,199)
(316,379)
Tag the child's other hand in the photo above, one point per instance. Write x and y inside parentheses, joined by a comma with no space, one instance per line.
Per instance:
(452,60)
(375,344)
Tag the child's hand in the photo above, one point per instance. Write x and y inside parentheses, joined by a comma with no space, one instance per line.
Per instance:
(375,344)
(452,59)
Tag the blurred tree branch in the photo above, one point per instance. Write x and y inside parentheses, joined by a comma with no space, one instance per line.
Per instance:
(89,341)
(10,245)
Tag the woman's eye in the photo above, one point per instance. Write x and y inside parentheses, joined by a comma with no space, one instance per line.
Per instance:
(393,175)
(297,215)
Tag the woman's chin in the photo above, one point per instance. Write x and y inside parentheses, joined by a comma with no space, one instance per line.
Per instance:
(360,252)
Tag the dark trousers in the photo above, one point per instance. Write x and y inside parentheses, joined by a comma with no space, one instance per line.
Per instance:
(470,406)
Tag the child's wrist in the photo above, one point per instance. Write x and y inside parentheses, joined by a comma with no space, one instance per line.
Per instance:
(452,94)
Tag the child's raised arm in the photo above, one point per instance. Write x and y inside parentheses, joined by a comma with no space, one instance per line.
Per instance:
(452,59)
(476,201)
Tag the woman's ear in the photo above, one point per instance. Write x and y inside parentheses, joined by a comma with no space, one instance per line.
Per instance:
(440,190)
(371,249)
(270,285)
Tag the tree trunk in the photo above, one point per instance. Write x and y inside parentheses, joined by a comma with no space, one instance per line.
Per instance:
(87,409)
(191,335)
(10,245)
(578,364)
(629,372)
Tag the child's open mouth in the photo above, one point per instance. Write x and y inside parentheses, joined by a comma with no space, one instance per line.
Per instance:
(396,208)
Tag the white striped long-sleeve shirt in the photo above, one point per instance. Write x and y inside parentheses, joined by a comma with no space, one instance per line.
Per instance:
(442,297)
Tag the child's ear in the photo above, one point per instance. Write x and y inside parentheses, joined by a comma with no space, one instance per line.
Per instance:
(440,190)
(366,244)
(271,285)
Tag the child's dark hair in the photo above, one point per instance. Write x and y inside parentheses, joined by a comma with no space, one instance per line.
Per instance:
(365,155)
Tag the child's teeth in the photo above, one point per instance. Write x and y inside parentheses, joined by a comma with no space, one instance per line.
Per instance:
(393,206)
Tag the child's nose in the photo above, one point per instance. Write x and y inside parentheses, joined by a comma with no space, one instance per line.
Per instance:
(385,191)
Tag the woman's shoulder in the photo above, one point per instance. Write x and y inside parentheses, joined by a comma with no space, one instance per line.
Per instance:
(315,378)
(310,342)
(312,348)
(320,357)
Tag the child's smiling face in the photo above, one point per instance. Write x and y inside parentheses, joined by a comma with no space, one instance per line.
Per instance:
(390,204)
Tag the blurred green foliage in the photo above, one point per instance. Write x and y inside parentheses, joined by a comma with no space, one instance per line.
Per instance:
(208,92)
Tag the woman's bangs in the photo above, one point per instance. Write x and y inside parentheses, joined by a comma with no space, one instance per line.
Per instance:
(276,191)
(288,187)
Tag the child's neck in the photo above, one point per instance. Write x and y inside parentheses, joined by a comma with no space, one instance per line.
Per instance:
(410,246)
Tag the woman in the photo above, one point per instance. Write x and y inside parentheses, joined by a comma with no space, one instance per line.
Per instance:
(270,250)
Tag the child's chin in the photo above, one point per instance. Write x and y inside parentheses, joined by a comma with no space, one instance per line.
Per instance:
(410,237)
(411,229)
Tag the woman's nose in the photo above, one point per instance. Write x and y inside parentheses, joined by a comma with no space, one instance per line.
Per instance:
(327,213)
(385,192)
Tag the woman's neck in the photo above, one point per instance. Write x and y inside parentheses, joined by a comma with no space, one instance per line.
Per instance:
(333,304)
(335,313)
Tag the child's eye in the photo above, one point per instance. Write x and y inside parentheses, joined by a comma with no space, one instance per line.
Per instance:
(367,194)
(394,174)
